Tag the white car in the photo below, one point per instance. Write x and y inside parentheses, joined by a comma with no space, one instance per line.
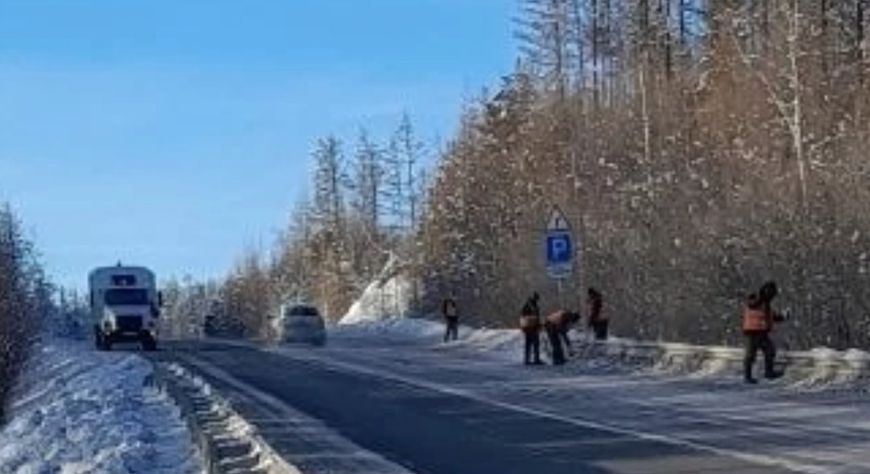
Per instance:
(301,323)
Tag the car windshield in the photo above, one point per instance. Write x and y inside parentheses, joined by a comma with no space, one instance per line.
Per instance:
(126,297)
(302,311)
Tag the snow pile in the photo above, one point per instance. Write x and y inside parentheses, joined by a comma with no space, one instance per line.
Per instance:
(499,343)
(80,411)
(493,341)
(815,370)
(387,297)
(419,330)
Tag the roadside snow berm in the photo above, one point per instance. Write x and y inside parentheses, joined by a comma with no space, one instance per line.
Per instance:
(228,443)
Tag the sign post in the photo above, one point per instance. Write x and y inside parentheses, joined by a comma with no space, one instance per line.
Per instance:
(559,244)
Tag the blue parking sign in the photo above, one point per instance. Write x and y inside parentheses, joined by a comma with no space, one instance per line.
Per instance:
(559,248)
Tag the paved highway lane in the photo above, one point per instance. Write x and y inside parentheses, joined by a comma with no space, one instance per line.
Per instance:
(436,413)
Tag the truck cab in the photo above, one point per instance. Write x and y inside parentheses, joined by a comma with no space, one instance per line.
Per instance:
(125,306)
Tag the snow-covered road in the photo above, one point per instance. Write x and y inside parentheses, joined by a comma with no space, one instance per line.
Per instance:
(81,411)
(394,390)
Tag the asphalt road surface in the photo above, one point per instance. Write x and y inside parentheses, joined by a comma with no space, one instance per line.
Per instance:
(406,408)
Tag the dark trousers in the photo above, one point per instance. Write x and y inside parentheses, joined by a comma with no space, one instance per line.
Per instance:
(600,328)
(533,347)
(452,332)
(555,337)
(754,342)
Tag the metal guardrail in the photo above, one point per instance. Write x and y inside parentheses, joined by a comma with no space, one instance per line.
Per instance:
(183,400)
(852,364)
(225,448)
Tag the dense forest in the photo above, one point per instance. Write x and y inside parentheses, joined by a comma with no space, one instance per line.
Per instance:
(698,148)
(25,299)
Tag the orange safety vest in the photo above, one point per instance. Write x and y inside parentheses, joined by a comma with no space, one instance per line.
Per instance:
(530,322)
(755,320)
(556,318)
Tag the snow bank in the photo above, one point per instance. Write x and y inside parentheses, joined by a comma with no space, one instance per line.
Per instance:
(421,330)
(817,369)
(502,343)
(493,341)
(80,411)
(387,297)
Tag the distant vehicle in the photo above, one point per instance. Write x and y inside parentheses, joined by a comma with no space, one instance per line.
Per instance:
(231,328)
(300,323)
(125,306)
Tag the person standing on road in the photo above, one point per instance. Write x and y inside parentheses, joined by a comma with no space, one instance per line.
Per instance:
(757,322)
(530,325)
(557,326)
(451,319)
(598,322)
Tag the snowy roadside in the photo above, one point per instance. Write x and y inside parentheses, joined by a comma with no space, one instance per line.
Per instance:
(230,443)
(374,317)
(814,420)
(81,411)
(819,369)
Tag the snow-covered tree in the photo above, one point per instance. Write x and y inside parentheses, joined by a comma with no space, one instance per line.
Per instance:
(26,300)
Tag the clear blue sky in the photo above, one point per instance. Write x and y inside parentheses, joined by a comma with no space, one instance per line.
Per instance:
(174,133)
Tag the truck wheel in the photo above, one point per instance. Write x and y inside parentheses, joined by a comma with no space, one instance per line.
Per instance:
(149,344)
(100,341)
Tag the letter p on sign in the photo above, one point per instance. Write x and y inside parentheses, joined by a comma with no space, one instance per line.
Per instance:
(559,249)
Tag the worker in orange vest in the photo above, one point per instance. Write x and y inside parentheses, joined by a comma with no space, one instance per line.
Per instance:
(758,320)
(557,325)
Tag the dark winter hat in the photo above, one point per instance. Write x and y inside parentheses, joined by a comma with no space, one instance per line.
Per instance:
(768,291)
(753,300)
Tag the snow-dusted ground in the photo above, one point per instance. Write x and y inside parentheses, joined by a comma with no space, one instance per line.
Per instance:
(812,421)
(81,411)
(507,345)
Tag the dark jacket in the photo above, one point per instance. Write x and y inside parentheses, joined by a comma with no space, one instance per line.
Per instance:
(448,309)
(766,294)
(530,317)
(531,308)
(595,304)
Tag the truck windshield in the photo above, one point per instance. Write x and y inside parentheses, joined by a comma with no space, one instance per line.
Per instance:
(302,311)
(126,297)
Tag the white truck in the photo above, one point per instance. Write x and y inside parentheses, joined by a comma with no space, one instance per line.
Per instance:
(125,306)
